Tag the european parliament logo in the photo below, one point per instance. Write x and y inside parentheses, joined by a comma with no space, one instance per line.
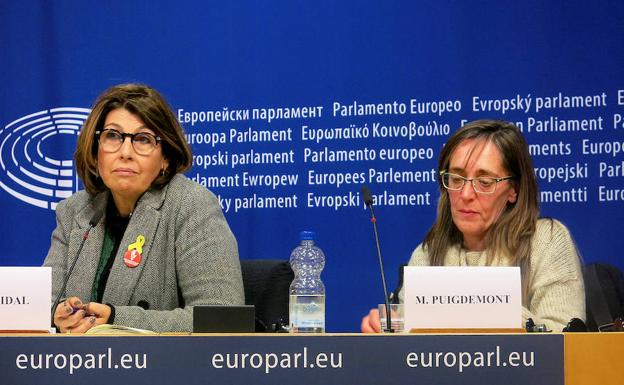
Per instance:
(36,152)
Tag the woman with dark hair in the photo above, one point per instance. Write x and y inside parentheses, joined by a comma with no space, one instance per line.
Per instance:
(163,244)
(488,216)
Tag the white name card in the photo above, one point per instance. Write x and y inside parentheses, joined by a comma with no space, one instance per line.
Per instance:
(25,298)
(441,297)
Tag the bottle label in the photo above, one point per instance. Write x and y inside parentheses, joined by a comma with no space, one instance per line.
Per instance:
(307,313)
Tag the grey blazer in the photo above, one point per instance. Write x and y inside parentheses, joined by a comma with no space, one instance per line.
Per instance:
(190,256)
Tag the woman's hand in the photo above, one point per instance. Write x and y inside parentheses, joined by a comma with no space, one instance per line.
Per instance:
(371,322)
(100,311)
(72,316)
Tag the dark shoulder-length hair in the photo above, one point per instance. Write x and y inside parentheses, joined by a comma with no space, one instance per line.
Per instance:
(148,105)
(510,235)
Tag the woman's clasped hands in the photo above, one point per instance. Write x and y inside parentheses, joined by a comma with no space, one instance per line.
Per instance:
(74,316)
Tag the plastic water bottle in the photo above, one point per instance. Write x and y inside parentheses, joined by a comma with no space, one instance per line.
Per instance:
(306,311)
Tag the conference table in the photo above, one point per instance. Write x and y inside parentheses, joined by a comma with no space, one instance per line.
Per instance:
(433,359)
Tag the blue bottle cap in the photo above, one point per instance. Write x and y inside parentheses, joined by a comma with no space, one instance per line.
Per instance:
(307,235)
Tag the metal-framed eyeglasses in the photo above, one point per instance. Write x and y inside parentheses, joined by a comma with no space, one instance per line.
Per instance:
(481,185)
(110,140)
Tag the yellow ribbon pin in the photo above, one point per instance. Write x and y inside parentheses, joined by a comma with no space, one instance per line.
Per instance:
(138,245)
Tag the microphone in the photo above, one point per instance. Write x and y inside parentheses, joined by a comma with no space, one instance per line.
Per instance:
(368,200)
(97,215)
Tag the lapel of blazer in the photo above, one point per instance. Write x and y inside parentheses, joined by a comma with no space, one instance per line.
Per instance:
(81,279)
(122,280)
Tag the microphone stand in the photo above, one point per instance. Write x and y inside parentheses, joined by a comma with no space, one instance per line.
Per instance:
(368,199)
(92,223)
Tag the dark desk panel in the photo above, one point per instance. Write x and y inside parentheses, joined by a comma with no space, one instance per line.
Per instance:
(283,359)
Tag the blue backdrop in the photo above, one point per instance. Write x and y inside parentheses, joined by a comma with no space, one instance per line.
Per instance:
(405,73)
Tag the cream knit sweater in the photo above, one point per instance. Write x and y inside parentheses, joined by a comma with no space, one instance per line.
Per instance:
(556,291)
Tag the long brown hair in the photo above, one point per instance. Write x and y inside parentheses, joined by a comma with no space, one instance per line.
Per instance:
(510,235)
(148,105)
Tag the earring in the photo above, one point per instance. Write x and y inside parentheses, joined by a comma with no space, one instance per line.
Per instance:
(162,172)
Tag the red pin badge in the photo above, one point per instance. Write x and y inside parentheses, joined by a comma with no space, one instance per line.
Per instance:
(132,256)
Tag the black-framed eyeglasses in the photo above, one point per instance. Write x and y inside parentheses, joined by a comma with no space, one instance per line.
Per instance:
(110,140)
(481,185)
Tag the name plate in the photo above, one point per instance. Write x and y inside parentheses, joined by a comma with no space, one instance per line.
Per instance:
(25,298)
(462,297)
